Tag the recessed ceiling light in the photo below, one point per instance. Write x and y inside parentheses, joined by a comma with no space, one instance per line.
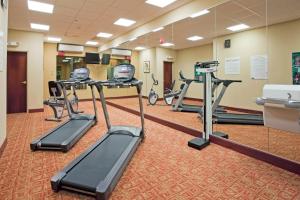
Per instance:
(160,3)
(139,48)
(124,22)
(104,35)
(158,29)
(194,38)
(40,7)
(197,14)
(91,43)
(132,39)
(238,27)
(116,45)
(40,26)
(54,39)
(167,44)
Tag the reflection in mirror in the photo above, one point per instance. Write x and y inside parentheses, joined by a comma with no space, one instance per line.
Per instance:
(66,64)
(240,44)
(283,50)
(242,36)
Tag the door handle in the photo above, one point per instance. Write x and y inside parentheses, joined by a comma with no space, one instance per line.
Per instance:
(24,82)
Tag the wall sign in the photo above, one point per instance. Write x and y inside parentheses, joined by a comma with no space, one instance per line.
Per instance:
(146,66)
(233,65)
(296,68)
(259,67)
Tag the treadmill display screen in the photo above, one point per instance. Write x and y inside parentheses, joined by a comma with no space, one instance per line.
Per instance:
(124,71)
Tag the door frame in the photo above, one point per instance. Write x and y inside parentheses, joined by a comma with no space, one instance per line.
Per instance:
(16,51)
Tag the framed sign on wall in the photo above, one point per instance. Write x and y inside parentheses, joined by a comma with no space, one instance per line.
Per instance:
(146,66)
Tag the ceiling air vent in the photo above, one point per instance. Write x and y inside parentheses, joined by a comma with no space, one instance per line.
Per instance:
(70,48)
(120,52)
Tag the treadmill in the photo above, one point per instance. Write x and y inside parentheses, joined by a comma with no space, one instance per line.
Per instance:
(97,171)
(181,107)
(63,137)
(233,118)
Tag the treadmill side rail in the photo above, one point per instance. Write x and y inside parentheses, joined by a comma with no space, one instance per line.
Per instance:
(55,181)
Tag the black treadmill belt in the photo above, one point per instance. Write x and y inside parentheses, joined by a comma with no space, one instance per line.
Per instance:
(188,108)
(192,106)
(239,116)
(97,164)
(64,132)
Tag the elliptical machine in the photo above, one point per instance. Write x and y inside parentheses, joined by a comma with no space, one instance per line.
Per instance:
(169,94)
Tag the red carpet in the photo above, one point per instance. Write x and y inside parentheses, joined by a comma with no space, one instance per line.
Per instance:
(164,167)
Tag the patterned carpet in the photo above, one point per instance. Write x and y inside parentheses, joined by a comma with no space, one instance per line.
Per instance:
(163,167)
(284,144)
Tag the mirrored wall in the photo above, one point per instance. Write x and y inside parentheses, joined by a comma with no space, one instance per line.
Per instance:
(256,43)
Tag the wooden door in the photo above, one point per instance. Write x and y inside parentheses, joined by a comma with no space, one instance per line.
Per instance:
(16,82)
(167,74)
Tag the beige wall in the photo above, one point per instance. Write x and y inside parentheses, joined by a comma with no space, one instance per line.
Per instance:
(277,41)
(243,45)
(32,43)
(3,76)
(98,72)
(185,61)
(283,40)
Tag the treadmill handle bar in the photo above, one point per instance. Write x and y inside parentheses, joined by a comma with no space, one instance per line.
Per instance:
(104,107)
(139,91)
(94,102)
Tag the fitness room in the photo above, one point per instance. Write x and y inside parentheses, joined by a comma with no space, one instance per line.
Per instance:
(150,99)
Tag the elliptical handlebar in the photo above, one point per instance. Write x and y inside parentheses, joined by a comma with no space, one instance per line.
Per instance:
(155,82)
(181,75)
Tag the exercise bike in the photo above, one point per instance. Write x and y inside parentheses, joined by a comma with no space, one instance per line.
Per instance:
(57,102)
(169,94)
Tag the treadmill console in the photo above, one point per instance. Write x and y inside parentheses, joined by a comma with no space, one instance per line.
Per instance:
(123,73)
(80,74)
(201,68)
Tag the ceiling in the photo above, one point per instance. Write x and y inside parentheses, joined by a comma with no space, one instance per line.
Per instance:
(77,21)
(255,13)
